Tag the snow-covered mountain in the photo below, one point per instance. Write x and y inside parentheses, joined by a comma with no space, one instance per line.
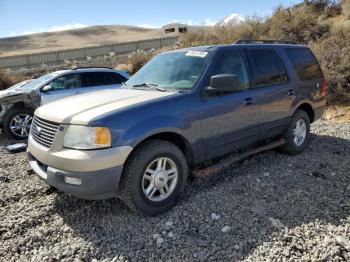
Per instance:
(232,19)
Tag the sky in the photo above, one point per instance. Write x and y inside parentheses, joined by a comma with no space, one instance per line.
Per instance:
(18,17)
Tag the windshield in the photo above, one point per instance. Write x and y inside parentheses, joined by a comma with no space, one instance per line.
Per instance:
(38,82)
(175,70)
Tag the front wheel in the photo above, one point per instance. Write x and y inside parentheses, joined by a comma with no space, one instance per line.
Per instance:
(17,123)
(154,177)
(297,134)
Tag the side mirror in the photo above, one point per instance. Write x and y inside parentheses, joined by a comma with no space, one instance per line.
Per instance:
(223,84)
(46,89)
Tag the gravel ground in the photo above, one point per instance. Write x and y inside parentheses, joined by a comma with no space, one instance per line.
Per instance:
(268,207)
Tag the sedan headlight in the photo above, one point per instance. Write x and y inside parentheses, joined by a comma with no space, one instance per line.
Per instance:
(84,137)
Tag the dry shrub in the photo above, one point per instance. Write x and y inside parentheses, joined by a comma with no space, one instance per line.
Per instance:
(123,67)
(253,28)
(346,7)
(334,56)
(138,59)
(5,80)
(301,24)
(329,8)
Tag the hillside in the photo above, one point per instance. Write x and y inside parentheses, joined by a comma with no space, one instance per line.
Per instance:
(84,37)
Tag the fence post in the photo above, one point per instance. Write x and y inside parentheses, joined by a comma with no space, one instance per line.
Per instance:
(27,60)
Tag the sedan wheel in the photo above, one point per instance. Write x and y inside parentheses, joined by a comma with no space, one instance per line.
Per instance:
(20,125)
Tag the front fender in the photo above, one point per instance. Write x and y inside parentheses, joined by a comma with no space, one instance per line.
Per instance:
(24,98)
(148,127)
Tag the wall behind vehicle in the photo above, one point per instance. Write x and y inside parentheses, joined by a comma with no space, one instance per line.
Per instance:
(59,57)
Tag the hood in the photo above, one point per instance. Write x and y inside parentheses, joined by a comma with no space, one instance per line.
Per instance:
(81,109)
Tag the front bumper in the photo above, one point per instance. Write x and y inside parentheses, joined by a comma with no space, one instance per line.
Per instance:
(97,171)
(100,184)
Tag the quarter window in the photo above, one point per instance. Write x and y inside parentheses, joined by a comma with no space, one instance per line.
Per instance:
(268,69)
(305,63)
(115,78)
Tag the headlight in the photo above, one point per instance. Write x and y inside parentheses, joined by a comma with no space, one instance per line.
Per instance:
(84,137)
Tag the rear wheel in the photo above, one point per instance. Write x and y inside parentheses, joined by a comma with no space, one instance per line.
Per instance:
(154,177)
(17,123)
(297,134)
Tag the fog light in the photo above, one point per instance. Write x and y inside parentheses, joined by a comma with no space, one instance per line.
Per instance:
(72,180)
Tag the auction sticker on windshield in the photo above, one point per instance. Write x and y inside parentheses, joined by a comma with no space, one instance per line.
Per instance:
(197,53)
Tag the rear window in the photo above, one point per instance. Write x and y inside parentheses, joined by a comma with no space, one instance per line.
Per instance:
(268,68)
(305,63)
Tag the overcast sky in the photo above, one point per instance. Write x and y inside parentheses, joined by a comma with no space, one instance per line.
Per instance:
(19,17)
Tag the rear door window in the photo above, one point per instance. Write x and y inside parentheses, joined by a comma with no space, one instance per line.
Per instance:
(267,67)
(305,63)
(94,79)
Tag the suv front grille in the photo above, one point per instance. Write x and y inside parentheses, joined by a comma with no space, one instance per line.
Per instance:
(44,131)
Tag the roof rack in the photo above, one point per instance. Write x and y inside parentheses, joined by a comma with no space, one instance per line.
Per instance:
(91,67)
(252,41)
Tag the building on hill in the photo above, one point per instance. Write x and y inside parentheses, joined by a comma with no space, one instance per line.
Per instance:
(176,29)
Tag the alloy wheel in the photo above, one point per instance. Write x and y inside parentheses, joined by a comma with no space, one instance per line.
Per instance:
(299,132)
(20,125)
(160,179)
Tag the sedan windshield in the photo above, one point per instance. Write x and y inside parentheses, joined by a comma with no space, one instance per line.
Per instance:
(176,70)
(38,82)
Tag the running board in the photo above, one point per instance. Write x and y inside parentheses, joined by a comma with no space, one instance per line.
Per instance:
(229,160)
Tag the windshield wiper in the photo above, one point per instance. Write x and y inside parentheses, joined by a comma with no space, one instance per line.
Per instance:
(151,86)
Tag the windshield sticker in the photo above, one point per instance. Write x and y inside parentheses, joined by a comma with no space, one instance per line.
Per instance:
(201,54)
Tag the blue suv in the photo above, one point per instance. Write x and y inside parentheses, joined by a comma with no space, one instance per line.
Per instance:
(183,108)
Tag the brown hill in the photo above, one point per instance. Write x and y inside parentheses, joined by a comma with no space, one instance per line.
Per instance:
(84,37)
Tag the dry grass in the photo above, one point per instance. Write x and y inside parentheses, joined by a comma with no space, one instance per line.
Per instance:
(338,113)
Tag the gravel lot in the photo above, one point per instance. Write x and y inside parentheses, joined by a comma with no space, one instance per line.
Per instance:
(266,207)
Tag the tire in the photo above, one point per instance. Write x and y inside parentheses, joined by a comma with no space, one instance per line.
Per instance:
(22,131)
(293,145)
(134,186)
